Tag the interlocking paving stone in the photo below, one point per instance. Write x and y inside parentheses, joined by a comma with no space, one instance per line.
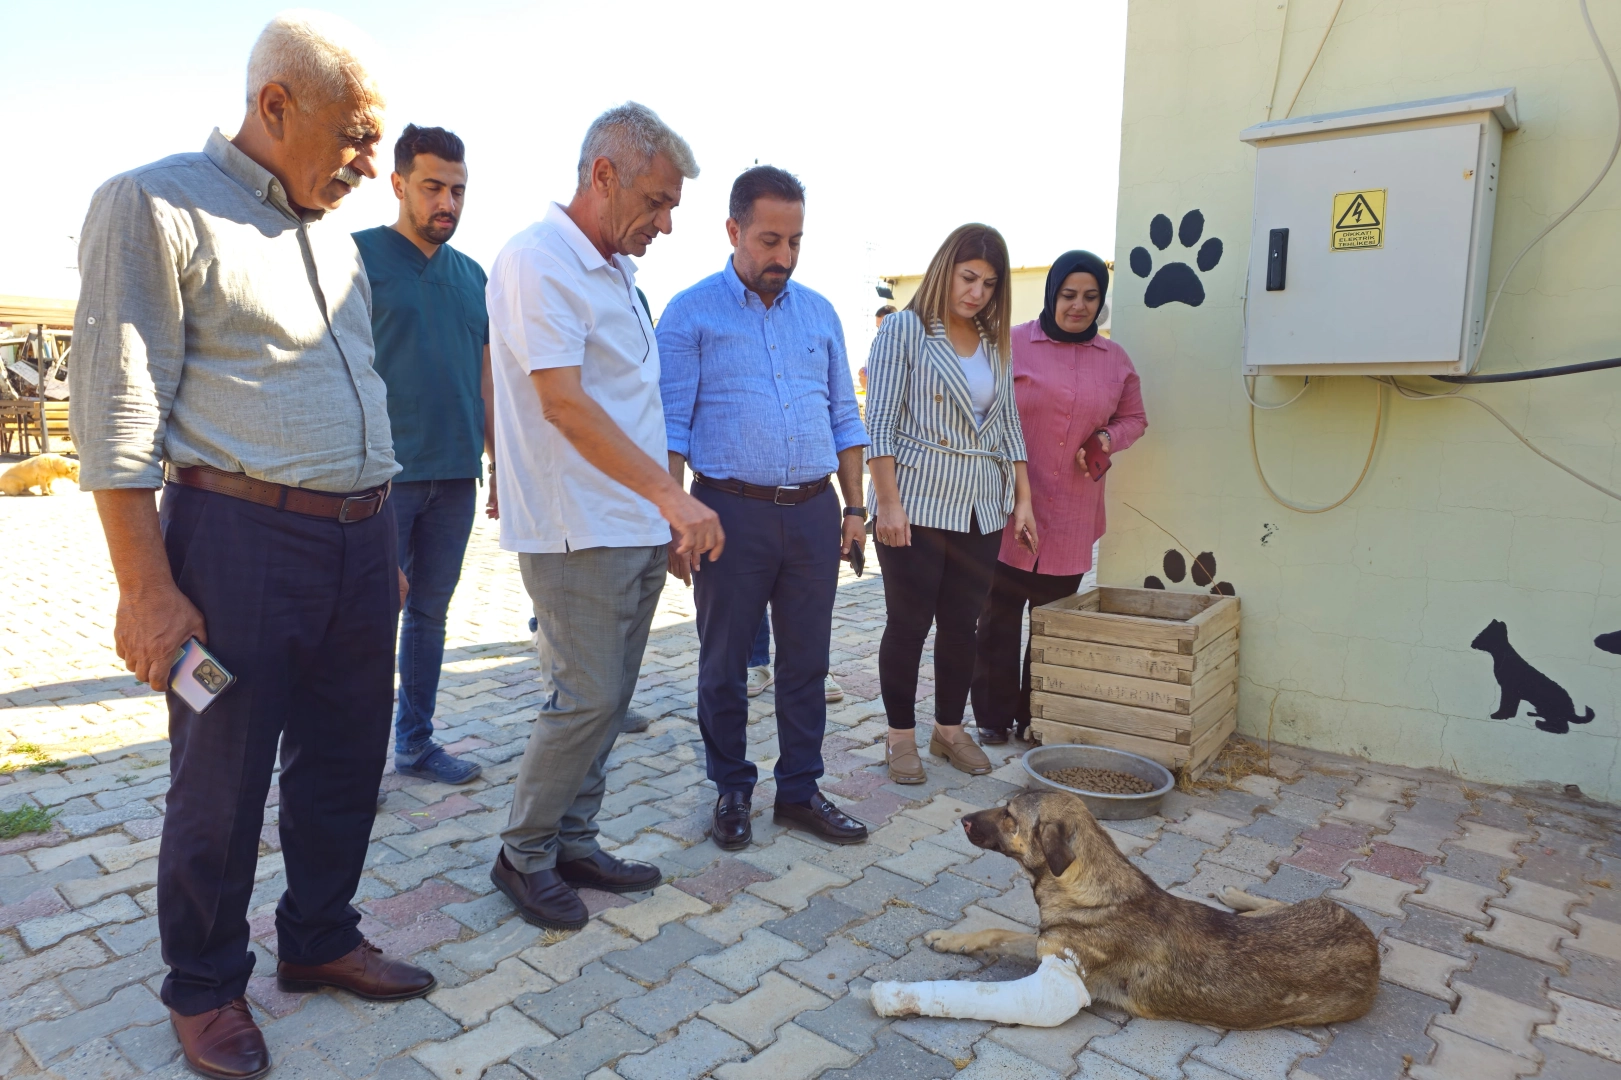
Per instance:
(797,1054)
(1435,930)
(674,1003)
(896,1058)
(1154,1047)
(1249,855)
(991,869)
(1495,1020)
(322,1016)
(97,1059)
(1054,1047)
(148,1048)
(1525,936)
(472,1003)
(1585,1025)
(1018,904)
(1508,975)
(652,960)
(812,926)
(952,1039)
(739,966)
(730,923)
(1465,865)
(87,986)
(1568,1063)
(577,1055)
(877,887)
(47,1040)
(564,1007)
(397,1029)
(645,918)
(698,1048)
(1291,884)
(1597,936)
(1257,1055)
(922,964)
(1593,977)
(726,877)
(506,1032)
(564,959)
(1460,1056)
(1418,968)
(891,931)
(1481,837)
(1464,899)
(831,970)
(1372,891)
(757,1015)
(949,895)
(38,933)
(1376,1044)
(793,889)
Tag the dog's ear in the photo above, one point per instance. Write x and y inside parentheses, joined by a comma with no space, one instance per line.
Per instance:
(1055,838)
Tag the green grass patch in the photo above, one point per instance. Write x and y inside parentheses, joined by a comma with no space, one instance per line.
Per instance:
(25,819)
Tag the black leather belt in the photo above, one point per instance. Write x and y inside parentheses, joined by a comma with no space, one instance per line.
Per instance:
(782,496)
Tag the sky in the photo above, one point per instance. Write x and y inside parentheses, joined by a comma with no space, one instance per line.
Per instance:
(902,119)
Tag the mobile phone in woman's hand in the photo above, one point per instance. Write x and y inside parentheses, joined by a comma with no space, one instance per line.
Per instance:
(1096,458)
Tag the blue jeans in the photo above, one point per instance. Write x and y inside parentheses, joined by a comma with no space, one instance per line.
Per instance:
(435,519)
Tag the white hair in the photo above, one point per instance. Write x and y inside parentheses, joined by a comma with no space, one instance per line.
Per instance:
(631,136)
(318,57)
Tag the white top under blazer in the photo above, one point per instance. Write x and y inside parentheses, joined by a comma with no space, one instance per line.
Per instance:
(949,468)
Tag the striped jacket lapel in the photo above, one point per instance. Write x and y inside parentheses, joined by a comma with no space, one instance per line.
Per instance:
(937,348)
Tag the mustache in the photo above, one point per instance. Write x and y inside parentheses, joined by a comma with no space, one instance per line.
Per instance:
(349,176)
(775,269)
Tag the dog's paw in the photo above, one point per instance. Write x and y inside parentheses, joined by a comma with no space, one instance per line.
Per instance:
(947,942)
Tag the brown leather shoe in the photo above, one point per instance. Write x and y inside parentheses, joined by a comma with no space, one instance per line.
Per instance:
(964,754)
(363,971)
(905,767)
(543,898)
(222,1043)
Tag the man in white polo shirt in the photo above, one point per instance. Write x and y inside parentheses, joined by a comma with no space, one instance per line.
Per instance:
(586,499)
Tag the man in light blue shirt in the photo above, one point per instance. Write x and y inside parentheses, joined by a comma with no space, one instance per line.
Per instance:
(758,399)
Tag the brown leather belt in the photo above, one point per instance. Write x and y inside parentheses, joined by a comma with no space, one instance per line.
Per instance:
(344,508)
(782,496)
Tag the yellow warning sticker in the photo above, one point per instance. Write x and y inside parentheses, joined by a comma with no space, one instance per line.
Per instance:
(1359,220)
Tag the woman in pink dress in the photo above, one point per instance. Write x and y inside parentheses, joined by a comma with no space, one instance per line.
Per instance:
(1070,382)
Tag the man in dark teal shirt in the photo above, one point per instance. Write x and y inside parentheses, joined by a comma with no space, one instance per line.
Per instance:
(432,335)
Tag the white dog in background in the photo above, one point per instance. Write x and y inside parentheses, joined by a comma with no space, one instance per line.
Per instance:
(38,472)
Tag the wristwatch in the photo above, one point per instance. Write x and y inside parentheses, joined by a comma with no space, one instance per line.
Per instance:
(856,511)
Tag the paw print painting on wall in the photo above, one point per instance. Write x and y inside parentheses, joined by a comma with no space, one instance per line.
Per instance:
(1175,282)
(1203,572)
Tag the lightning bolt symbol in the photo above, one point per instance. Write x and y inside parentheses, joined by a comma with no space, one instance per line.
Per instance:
(1356,214)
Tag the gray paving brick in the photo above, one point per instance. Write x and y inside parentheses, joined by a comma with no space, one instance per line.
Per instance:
(94,822)
(1291,883)
(625,827)
(876,887)
(1475,866)
(1320,786)
(652,960)
(322,1016)
(406,1068)
(739,966)
(698,1048)
(482,953)
(1508,975)
(481,915)
(891,931)
(1282,832)
(922,964)
(87,986)
(38,933)
(149,1047)
(561,1009)
(49,1039)
(849,1021)
(1376,1044)
(896,1058)
(1143,826)
(1596,978)
(1177,850)
(950,894)
(987,791)
(1018,904)
(97,1059)
(812,926)
(18,879)
(126,939)
(831,970)
(952,1039)
(673,1003)
(1435,930)
(1299,808)
(396,1029)
(992,869)
(304,1065)
(1561,1062)
(600,1040)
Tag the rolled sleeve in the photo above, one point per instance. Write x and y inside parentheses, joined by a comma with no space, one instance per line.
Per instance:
(887,371)
(842,410)
(678,374)
(537,312)
(129,338)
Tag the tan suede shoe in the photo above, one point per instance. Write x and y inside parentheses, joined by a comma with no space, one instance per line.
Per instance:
(964,754)
(905,767)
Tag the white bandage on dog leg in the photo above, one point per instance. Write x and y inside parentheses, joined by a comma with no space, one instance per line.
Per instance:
(1045,999)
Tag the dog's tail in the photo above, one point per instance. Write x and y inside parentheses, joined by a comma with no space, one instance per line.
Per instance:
(1588,719)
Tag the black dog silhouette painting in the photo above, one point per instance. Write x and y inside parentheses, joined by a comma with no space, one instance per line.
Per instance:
(1520,681)
(1610,642)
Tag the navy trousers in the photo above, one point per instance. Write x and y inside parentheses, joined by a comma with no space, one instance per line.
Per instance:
(302,611)
(434,518)
(787,556)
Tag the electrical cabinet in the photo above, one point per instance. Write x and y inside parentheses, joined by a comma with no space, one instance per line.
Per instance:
(1371,238)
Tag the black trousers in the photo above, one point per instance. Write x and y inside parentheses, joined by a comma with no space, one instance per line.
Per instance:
(942,578)
(302,611)
(789,556)
(1001,698)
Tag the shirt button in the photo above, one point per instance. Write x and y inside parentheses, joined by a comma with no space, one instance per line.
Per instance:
(937,397)
(779,374)
(258,193)
(773,346)
(91,320)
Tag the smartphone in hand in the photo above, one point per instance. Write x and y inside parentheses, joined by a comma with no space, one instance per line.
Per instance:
(1097,458)
(858,559)
(198,678)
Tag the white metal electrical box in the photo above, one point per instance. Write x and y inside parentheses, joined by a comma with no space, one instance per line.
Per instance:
(1372,237)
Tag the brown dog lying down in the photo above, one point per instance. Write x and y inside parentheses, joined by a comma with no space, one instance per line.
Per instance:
(38,472)
(1159,956)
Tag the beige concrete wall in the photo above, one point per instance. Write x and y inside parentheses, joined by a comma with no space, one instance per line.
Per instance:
(1358,622)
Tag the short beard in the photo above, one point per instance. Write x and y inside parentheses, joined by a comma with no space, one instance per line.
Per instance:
(432,233)
(759,283)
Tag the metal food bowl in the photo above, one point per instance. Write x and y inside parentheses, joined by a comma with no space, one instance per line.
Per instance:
(1104,806)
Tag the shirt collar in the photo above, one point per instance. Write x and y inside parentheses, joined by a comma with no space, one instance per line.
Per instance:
(741,292)
(1038,334)
(584,249)
(254,177)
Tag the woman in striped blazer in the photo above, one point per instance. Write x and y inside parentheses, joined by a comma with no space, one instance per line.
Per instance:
(948,468)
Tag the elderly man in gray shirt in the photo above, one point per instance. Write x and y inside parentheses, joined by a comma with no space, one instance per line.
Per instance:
(223,352)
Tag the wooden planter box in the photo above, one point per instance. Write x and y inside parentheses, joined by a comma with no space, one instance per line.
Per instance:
(1144,670)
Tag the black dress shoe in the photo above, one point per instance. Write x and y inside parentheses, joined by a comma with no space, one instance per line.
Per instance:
(732,828)
(600,870)
(821,817)
(993,736)
(542,898)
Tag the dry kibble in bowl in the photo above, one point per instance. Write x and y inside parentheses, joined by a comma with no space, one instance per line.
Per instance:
(1101,781)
